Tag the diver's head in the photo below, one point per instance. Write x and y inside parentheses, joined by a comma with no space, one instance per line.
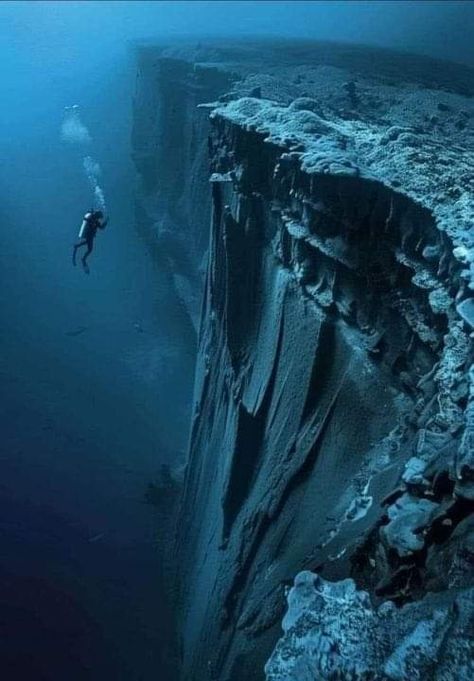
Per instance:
(99,214)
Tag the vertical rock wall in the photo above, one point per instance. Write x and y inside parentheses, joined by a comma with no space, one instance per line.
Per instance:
(329,401)
(169,141)
(332,413)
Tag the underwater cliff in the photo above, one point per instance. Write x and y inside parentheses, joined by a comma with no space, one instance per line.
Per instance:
(329,486)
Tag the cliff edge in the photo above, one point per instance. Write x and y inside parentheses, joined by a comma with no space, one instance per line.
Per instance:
(332,433)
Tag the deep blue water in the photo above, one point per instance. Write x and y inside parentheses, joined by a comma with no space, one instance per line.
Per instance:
(85,425)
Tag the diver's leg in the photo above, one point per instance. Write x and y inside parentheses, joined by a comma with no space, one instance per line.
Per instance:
(77,245)
(90,247)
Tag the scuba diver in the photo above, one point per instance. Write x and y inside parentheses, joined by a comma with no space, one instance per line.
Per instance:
(91,223)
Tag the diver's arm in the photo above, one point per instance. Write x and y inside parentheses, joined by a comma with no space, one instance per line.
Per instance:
(103,225)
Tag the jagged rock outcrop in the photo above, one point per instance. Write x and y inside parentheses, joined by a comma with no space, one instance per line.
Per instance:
(332,631)
(334,405)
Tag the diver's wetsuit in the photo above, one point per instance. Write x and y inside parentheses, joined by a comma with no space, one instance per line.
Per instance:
(93,223)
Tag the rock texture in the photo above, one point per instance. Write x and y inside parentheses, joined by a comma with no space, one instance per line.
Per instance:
(169,141)
(334,401)
(332,631)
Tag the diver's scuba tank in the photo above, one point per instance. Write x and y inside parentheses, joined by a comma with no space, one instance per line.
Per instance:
(85,222)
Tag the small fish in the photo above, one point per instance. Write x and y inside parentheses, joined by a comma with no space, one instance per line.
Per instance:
(96,537)
(77,332)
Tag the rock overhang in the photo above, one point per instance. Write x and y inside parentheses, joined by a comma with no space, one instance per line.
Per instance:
(436,174)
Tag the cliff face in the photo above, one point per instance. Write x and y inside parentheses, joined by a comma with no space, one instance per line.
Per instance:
(172,209)
(332,427)
(169,141)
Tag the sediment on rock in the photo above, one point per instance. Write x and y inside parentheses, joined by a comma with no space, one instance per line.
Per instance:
(331,630)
